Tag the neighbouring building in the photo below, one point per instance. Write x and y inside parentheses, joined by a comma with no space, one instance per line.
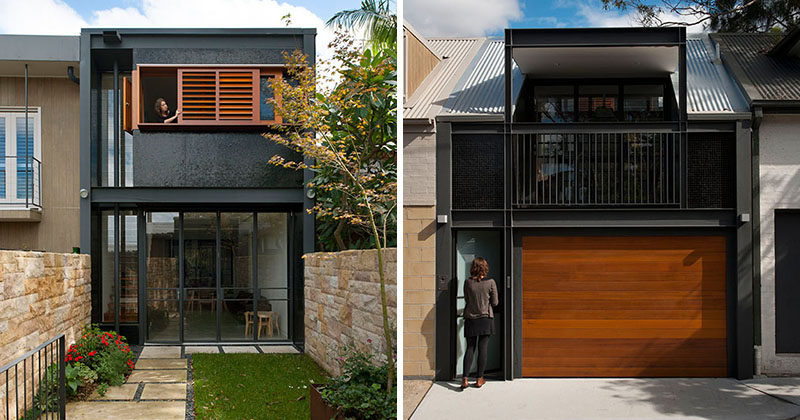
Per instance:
(39,177)
(605,174)
(766,68)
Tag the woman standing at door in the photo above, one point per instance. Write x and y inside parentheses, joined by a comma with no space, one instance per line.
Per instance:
(480,295)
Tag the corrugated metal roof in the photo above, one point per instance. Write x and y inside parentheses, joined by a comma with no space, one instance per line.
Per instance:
(429,97)
(763,76)
(710,88)
(480,90)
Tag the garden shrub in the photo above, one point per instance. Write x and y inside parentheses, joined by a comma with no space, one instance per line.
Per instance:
(105,353)
(360,391)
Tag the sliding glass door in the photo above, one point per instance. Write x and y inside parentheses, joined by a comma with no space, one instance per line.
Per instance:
(217,276)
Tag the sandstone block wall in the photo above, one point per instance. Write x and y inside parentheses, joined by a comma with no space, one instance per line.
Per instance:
(343,304)
(42,294)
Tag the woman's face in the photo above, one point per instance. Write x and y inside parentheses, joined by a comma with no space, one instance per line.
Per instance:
(164,107)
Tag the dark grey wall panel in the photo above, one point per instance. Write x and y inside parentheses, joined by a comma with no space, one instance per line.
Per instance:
(787,281)
(210,160)
(477,171)
(211,56)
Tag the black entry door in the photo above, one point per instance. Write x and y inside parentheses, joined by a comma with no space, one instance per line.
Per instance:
(787,281)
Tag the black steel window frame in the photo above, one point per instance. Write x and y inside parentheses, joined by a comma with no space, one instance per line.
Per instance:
(290,308)
(529,85)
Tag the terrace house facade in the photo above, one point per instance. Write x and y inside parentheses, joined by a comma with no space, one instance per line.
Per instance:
(194,237)
(605,175)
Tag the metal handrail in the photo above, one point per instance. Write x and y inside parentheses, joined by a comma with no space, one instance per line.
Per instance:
(33,180)
(40,399)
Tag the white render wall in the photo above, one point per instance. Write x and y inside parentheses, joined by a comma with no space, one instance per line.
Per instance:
(779,174)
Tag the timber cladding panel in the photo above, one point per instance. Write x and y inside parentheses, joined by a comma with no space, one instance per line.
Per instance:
(420,62)
(644,306)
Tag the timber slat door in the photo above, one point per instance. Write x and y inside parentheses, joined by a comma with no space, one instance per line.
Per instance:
(624,306)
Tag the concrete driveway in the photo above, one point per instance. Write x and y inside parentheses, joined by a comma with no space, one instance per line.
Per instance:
(663,398)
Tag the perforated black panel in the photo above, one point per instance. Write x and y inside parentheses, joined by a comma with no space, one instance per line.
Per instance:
(477,171)
(712,170)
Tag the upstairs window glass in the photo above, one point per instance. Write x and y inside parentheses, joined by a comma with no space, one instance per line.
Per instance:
(598,103)
(644,102)
(20,157)
(554,104)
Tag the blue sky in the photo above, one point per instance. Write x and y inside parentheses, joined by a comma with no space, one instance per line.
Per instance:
(323,9)
(488,18)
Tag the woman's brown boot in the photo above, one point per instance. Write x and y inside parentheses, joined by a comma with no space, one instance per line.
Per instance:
(464,383)
(480,382)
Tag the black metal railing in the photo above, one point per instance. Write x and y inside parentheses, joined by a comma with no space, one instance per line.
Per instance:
(35,383)
(25,188)
(596,169)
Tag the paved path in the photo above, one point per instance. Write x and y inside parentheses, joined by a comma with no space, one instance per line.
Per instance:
(767,398)
(157,387)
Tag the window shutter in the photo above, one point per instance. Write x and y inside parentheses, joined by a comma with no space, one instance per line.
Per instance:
(127,102)
(197,95)
(237,94)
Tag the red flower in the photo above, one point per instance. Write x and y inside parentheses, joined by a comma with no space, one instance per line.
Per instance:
(92,353)
(79,358)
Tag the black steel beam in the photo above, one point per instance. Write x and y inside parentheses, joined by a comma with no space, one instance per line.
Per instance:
(744,243)
(594,37)
(445,286)
(289,196)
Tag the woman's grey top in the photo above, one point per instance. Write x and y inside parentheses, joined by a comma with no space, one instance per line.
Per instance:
(479,297)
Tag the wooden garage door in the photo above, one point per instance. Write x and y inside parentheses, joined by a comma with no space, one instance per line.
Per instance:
(623,306)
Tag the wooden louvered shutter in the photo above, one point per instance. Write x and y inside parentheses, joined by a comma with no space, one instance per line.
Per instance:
(238,94)
(197,94)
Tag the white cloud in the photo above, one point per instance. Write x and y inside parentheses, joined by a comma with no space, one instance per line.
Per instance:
(595,16)
(54,17)
(461,17)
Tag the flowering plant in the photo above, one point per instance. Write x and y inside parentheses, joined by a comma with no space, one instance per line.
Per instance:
(104,352)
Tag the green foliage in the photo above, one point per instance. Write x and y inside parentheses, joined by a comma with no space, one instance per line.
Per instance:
(375,16)
(253,386)
(102,389)
(360,391)
(102,357)
(716,15)
(78,375)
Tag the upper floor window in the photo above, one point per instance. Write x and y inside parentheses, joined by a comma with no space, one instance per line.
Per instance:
(567,101)
(20,157)
(234,96)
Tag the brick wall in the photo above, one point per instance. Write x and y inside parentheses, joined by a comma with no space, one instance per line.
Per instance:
(419,288)
(42,294)
(343,304)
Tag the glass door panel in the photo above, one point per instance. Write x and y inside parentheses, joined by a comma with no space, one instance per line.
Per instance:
(200,276)
(489,245)
(162,283)
(273,275)
(236,258)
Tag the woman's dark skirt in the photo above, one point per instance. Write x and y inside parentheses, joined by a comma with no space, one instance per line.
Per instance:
(480,326)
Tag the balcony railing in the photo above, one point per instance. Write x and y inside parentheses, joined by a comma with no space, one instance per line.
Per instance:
(596,169)
(20,182)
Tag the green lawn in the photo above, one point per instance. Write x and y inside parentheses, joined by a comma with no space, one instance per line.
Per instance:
(253,386)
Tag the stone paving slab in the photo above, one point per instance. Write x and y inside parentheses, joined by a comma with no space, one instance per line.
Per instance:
(413,393)
(200,349)
(240,349)
(161,410)
(279,349)
(159,352)
(574,399)
(124,392)
(786,388)
(161,364)
(157,375)
(164,392)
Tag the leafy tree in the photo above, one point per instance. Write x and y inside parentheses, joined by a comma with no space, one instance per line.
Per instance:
(716,15)
(347,137)
(376,16)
